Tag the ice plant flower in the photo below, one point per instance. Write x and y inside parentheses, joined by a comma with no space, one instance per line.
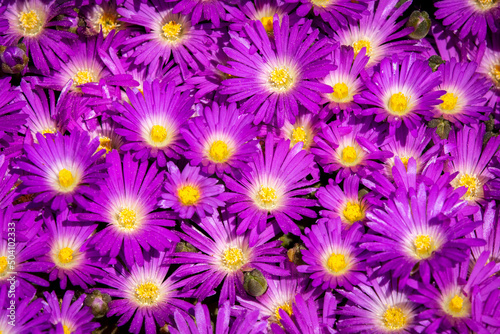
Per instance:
(333,256)
(304,130)
(102,17)
(61,169)
(401,92)
(105,130)
(272,186)
(488,58)
(223,257)
(464,100)
(127,202)
(11,118)
(144,293)
(202,10)
(220,140)
(153,120)
(189,191)
(33,23)
(271,82)
(470,159)
(68,316)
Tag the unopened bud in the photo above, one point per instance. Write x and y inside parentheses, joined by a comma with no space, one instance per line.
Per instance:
(434,62)
(400,3)
(98,303)
(421,22)
(295,254)
(254,282)
(185,247)
(13,58)
(443,129)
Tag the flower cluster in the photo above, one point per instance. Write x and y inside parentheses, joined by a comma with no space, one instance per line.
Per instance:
(249,166)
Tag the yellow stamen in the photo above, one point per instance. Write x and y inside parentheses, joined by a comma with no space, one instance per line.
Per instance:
(472,184)
(267,22)
(340,92)
(404,160)
(287,307)
(218,151)
(83,77)
(363,43)
(65,255)
(424,245)
(108,22)
(147,293)
(280,78)
(45,131)
(337,263)
(3,264)
(267,197)
(171,31)
(398,103)
(349,154)
(66,179)
(104,144)
(158,133)
(394,318)
(188,195)
(353,212)
(320,3)
(233,259)
(486,4)
(298,134)
(495,73)
(30,23)
(65,329)
(127,218)
(456,304)
(449,102)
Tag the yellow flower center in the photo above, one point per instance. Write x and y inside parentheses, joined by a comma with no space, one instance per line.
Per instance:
(30,23)
(349,155)
(83,77)
(147,293)
(108,22)
(232,258)
(340,92)
(320,3)
(3,264)
(287,307)
(127,218)
(66,329)
(66,179)
(363,43)
(404,160)
(394,318)
(449,102)
(218,151)
(172,31)
(158,133)
(486,4)
(456,304)
(267,197)
(280,78)
(495,73)
(65,255)
(472,184)
(337,263)
(298,134)
(398,103)
(424,245)
(104,144)
(45,131)
(188,195)
(353,212)
(267,22)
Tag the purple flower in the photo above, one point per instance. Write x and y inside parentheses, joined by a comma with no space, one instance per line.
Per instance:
(13,59)
(304,130)
(223,257)
(61,169)
(102,17)
(277,178)
(489,231)
(127,203)
(152,121)
(7,183)
(201,10)
(271,82)
(333,257)
(11,120)
(189,192)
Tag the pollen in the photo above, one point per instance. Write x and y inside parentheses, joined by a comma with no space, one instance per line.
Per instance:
(287,307)
(188,195)
(147,293)
(104,144)
(321,3)
(495,73)
(127,218)
(404,160)
(66,330)
(398,103)
(233,258)
(472,184)
(267,197)
(3,264)
(47,130)
(353,212)
(394,318)
(363,43)
(424,245)
(66,179)
(108,22)
(172,31)
(340,92)
(83,77)
(298,135)
(158,133)
(30,23)
(218,151)
(349,155)
(486,4)
(449,102)
(456,304)
(267,22)
(65,255)
(280,78)
(337,263)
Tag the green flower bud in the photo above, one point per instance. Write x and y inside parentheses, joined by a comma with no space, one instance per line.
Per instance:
(254,282)
(295,254)
(434,62)
(421,22)
(98,303)
(185,247)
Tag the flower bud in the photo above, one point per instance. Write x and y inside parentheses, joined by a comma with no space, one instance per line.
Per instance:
(98,303)
(421,22)
(434,62)
(13,58)
(185,247)
(254,282)
(295,255)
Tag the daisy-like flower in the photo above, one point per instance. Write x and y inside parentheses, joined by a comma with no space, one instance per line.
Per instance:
(333,256)
(68,316)
(470,159)
(469,16)
(33,23)
(271,82)
(188,192)
(224,256)
(153,120)
(304,130)
(220,140)
(272,186)
(105,130)
(377,306)
(347,204)
(68,254)
(418,224)
(126,203)
(488,58)
(378,33)
(345,80)
(401,92)
(61,169)
(167,34)
(144,293)
(11,119)
(351,145)
(464,100)
(489,231)
(102,17)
